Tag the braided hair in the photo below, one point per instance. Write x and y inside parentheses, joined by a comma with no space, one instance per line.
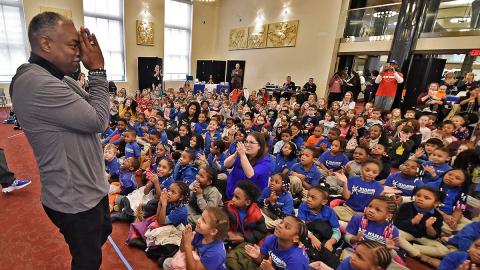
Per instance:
(285,181)
(184,193)
(302,228)
(391,209)
(380,251)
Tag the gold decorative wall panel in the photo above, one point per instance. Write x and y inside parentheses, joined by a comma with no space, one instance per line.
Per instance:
(145,33)
(238,38)
(282,34)
(257,37)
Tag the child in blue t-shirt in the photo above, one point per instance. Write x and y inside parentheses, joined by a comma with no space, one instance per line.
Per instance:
(325,143)
(216,158)
(160,128)
(116,136)
(281,250)
(185,169)
(358,191)
(406,180)
(201,126)
(323,226)
(437,165)
(131,147)
(276,200)
(463,259)
(367,255)
(304,174)
(464,238)
(211,135)
(286,158)
(127,175)
(207,240)
(455,185)
(112,163)
(333,161)
(171,210)
(197,145)
(375,224)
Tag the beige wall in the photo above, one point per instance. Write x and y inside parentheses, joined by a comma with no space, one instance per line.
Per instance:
(310,57)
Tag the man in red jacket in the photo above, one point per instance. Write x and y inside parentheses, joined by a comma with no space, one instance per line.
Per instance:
(388,80)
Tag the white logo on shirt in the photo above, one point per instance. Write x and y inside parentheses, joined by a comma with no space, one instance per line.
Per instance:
(277,261)
(362,190)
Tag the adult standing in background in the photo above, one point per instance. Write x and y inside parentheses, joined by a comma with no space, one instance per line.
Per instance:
(387,81)
(157,78)
(355,85)
(237,75)
(309,88)
(335,88)
(62,127)
(370,85)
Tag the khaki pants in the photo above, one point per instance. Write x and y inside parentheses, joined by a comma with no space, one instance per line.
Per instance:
(344,212)
(427,246)
(296,187)
(461,223)
(333,182)
(270,223)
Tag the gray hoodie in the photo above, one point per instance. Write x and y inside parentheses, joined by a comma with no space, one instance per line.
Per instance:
(62,128)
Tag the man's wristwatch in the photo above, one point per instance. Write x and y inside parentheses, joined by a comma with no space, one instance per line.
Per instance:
(97,72)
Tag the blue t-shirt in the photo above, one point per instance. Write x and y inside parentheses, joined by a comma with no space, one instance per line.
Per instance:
(113,167)
(185,173)
(406,185)
(284,200)
(326,214)
(452,196)
(298,141)
(464,238)
(312,174)
(292,258)
(281,163)
(453,260)
(362,192)
(373,231)
(209,139)
(332,162)
(165,182)
(132,150)
(261,173)
(176,215)
(127,179)
(200,128)
(440,170)
(212,255)
(219,164)
(138,127)
(324,141)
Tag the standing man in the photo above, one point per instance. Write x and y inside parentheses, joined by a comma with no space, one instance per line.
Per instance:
(62,126)
(388,80)
(237,75)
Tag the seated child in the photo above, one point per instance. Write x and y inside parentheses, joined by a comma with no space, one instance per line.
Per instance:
(131,147)
(171,209)
(281,250)
(315,137)
(211,135)
(369,255)
(421,222)
(276,200)
(304,174)
(423,153)
(217,157)
(285,160)
(326,143)
(332,161)
(185,169)
(463,259)
(406,180)
(359,190)
(204,194)
(402,147)
(323,226)
(116,136)
(354,167)
(206,242)
(196,145)
(112,163)
(435,168)
(379,153)
(286,136)
(247,224)
(455,185)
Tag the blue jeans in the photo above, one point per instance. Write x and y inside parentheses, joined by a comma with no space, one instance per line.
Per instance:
(384,103)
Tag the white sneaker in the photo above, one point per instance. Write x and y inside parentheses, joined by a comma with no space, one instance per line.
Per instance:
(17,184)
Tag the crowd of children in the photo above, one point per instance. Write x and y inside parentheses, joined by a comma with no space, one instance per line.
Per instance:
(348,188)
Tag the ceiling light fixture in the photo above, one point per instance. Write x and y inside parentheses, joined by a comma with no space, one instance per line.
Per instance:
(460,20)
(385,14)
